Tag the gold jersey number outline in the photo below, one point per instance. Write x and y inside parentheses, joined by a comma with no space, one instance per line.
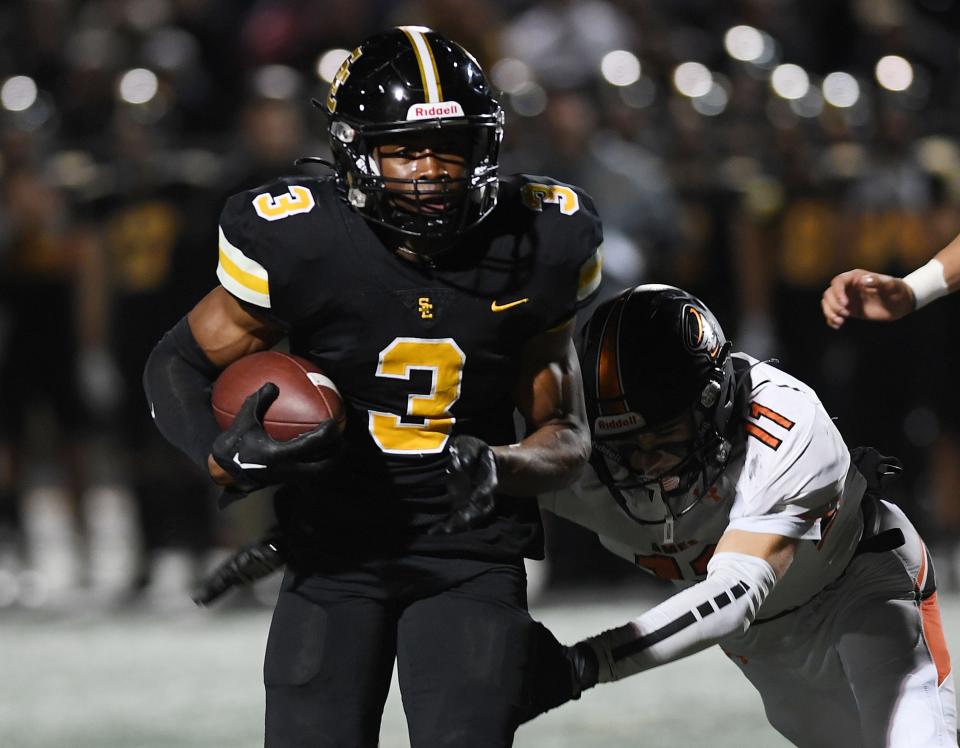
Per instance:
(294,201)
(534,195)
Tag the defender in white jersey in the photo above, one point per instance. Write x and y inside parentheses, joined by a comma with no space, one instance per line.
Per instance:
(726,476)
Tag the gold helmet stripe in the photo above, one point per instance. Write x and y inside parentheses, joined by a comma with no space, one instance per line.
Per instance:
(426,62)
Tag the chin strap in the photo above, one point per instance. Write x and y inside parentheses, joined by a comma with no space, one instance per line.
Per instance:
(314,160)
(414,256)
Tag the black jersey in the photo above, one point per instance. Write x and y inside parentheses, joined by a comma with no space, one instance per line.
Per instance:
(419,351)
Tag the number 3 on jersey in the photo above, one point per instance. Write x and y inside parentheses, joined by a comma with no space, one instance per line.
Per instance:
(276,207)
(444,359)
(534,195)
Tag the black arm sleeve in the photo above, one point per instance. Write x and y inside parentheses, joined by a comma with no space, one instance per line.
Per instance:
(178,379)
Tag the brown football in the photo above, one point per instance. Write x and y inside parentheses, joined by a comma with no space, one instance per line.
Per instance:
(307,396)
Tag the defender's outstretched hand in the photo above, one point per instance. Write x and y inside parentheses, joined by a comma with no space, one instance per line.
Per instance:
(866,295)
(558,674)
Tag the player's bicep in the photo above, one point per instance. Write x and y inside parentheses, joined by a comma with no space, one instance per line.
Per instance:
(776,550)
(549,389)
(226,331)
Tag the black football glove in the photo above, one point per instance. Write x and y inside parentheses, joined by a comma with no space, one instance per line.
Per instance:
(252,562)
(470,487)
(560,674)
(254,459)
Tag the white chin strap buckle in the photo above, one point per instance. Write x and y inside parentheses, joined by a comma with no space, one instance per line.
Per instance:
(343,132)
(356,198)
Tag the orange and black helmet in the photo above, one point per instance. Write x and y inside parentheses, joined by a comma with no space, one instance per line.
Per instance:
(650,354)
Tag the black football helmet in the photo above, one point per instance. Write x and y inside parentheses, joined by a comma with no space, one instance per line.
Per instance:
(405,81)
(649,357)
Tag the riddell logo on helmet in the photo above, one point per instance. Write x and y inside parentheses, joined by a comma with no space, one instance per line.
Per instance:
(435,111)
(605,425)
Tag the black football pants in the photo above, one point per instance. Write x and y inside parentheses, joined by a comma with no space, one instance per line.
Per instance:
(458,629)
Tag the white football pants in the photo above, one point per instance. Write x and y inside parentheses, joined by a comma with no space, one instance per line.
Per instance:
(864,664)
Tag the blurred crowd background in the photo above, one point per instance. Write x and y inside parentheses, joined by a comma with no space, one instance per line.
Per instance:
(745,150)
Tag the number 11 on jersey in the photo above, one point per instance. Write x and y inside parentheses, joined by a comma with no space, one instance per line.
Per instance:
(443,358)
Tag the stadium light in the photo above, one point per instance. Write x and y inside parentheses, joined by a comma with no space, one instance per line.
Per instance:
(620,68)
(329,63)
(640,95)
(529,100)
(713,102)
(894,73)
(770,55)
(809,105)
(841,90)
(277,82)
(138,86)
(744,43)
(18,93)
(790,81)
(170,49)
(692,79)
(510,75)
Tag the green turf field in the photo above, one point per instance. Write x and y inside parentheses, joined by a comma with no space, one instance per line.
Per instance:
(144,680)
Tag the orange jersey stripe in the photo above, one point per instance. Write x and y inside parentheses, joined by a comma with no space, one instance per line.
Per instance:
(933,635)
(699,564)
(665,567)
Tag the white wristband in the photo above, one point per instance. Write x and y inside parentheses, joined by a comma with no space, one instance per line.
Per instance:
(927,283)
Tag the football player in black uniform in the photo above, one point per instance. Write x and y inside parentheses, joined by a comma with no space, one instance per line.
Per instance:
(439,296)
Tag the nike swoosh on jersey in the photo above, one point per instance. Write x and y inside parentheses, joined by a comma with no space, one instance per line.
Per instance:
(247,465)
(495,307)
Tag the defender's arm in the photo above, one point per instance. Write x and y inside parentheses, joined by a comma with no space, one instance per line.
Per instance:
(549,395)
(740,575)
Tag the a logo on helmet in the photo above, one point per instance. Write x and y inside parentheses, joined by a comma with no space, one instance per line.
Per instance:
(699,333)
(618,424)
(435,111)
(340,78)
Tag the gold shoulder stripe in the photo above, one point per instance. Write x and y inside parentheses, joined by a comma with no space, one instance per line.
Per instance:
(244,278)
(590,275)
(426,62)
(247,280)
